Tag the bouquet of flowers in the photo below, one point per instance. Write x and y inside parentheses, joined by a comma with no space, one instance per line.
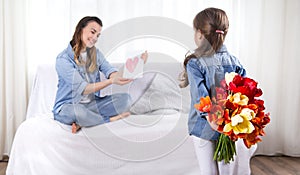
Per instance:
(235,112)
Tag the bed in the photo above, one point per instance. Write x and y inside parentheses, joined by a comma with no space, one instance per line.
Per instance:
(154,140)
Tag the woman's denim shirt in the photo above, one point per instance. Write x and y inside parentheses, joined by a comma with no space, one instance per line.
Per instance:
(71,77)
(204,74)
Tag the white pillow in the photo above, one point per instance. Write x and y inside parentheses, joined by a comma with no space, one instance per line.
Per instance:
(157,92)
(163,95)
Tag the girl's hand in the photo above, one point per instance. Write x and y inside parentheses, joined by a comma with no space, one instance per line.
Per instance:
(144,56)
(212,124)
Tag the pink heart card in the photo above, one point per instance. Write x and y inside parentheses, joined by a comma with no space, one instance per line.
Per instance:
(133,68)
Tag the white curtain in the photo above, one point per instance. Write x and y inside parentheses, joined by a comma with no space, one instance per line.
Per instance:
(269,49)
(13,69)
(263,34)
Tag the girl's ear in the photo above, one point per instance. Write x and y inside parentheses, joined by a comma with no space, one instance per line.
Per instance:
(199,34)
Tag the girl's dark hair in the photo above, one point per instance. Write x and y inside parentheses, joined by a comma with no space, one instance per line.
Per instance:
(213,25)
(77,43)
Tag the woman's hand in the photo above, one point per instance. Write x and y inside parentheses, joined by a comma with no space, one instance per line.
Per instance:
(116,78)
(144,56)
(121,81)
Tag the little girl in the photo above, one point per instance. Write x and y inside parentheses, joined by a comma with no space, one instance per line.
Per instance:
(204,69)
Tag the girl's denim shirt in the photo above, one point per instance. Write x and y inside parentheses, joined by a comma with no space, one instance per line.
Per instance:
(71,77)
(204,74)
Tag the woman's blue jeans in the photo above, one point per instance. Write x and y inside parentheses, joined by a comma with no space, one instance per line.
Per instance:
(97,112)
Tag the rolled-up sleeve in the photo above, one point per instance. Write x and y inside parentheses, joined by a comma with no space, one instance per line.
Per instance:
(104,65)
(238,66)
(240,70)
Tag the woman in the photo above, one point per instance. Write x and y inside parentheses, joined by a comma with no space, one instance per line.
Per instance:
(78,102)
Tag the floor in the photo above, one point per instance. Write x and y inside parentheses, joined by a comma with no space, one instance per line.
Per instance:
(260,165)
(264,165)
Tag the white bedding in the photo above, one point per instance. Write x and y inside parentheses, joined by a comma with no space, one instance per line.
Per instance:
(140,144)
(45,147)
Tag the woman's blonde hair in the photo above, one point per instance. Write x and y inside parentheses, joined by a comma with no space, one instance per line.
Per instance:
(213,24)
(77,44)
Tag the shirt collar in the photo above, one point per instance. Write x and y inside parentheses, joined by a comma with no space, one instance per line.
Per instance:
(222,49)
(70,51)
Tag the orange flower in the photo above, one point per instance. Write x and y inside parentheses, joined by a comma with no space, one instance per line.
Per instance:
(252,138)
(204,105)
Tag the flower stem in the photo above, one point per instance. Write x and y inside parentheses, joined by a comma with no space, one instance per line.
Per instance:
(225,149)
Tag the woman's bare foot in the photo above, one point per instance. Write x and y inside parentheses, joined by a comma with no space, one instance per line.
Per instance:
(75,128)
(120,116)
